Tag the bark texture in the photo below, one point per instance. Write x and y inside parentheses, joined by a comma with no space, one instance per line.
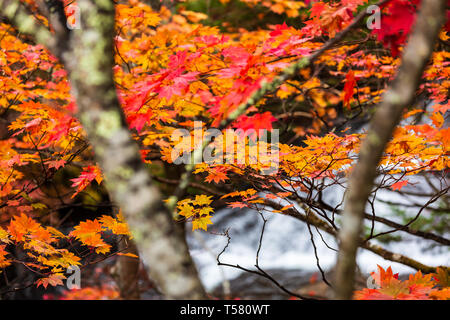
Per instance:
(161,245)
(127,271)
(399,95)
(88,58)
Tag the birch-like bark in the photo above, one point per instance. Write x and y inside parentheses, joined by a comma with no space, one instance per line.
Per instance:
(398,96)
(89,61)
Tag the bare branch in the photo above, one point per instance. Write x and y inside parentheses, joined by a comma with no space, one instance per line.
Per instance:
(324,226)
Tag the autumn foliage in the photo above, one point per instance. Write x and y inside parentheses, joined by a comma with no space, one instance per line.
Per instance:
(417,287)
(175,67)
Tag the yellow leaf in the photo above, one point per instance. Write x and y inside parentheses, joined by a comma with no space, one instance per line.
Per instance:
(4,236)
(201,223)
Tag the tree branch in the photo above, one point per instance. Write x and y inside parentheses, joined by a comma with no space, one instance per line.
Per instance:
(312,219)
(257,95)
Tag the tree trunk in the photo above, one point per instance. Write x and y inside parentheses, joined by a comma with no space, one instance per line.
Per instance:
(127,271)
(161,245)
(87,54)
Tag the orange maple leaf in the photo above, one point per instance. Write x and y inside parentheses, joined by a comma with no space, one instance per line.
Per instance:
(3,261)
(237,204)
(22,225)
(54,280)
(89,233)
(216,175)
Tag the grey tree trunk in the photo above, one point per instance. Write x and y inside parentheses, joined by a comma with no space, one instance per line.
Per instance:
(87,54)
(161,245)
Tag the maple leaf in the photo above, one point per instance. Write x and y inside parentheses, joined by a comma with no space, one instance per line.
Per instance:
(117,226)
(438,119)
(66,258)
(396,24)
(271,196)
(186,210)
(216,175)
(398,185)
(442,108)
(205,211)
(22,225)
(202,199)
(13,203)
(55,232)
(89,233)
(412,112)
(89,174)
(135,102)
(179,85)
(256,122)
(443,294)
(371,294)
(4,236)
(330,17)
(417,287)
(384,277)
(418,279)
(86,228)
(349,87)
(442,277)
(42,234)
(284,194)
(237,204)
(278,29)
(56,163)
(201,223)
(33,123)
(59,259)
(3,261)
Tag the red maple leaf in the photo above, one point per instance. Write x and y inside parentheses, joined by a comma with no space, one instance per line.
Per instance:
(397,24)
(56,163)
(88,174)
(349,87)
(256,122)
